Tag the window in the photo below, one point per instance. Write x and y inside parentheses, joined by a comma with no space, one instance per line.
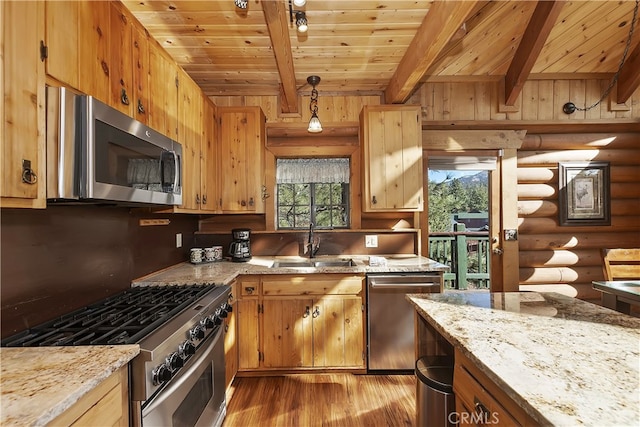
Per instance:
(312,191)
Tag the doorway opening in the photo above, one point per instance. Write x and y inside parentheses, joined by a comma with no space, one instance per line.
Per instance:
(459,219)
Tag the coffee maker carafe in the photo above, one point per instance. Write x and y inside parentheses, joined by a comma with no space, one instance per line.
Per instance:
(240,248)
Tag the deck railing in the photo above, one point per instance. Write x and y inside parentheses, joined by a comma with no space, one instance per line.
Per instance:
(466,253)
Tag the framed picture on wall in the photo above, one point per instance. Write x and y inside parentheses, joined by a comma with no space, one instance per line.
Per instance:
(584,193)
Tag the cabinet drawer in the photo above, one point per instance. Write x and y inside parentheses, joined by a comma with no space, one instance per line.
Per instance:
(482,407)
(249,287)
(316,284)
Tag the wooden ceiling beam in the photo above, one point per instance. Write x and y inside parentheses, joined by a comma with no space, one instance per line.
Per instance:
(439,26)
(275,13)
(535,35)
(629,78)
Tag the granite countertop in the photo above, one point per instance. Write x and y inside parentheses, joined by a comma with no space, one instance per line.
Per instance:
(40,383)
(565,361)
(223,272)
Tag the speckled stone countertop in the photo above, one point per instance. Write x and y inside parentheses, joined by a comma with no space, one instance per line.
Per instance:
(566,362)
(223,272)
(39,383)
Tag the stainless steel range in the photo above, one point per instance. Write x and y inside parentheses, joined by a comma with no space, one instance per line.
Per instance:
(178,377)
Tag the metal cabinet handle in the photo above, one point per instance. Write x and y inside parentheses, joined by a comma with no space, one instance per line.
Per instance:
(249,289)
(123,97)
(204,199)
(243,203)
(307,312)
(28,175)
(197,199)
(140,107)
(374,200)
(316,312)
(251,201)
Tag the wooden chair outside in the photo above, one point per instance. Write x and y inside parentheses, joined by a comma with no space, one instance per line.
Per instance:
(621,264)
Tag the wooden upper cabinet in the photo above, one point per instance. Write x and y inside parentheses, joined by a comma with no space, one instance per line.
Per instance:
(93,49)
(22,141)
(241,164)
(190,136)
(392,158)
(163,92)
(121,60)
(61,39)
(208,153)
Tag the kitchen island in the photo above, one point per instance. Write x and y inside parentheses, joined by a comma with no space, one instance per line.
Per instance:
(561,360)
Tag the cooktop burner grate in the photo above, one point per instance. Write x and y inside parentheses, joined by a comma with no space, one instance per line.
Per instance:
(124,318)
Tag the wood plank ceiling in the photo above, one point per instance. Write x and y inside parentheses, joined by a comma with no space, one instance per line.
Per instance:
(390,47)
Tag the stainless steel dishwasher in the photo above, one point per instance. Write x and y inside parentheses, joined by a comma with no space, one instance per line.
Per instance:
(390,324)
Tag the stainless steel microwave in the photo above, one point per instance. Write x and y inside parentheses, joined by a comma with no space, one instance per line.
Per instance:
(96,153)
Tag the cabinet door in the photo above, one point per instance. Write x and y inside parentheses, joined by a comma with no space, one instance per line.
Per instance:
(287,331)
(208,190)
(121,60)
(163,92)
(140,73)
(22,82)
(392,149)
(93,49)
(61,39)
(189,136)
(248,334)
(338,333)
(241,163)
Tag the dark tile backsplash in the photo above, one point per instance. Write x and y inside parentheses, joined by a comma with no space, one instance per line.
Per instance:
(64,257)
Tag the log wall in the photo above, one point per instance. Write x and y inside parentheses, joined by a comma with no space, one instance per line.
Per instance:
(570,255)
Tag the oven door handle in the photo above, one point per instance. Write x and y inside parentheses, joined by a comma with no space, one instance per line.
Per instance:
(183,375)
(376,285)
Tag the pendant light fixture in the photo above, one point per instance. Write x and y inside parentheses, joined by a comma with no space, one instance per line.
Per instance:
(314,124)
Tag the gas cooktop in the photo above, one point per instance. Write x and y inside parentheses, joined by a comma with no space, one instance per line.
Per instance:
(124,318)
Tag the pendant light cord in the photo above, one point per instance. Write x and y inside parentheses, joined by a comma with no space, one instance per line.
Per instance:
(614,80)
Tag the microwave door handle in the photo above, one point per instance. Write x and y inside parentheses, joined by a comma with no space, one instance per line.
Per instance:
(176,172)
(176,175)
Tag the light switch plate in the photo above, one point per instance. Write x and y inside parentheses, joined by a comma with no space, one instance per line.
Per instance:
(371,241)
(178,240)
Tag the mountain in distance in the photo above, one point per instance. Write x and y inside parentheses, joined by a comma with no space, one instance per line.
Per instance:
(481,177)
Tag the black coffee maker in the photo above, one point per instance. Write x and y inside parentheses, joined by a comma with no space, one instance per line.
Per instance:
(240,248)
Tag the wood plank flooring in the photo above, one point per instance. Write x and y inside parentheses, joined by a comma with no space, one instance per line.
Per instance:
(322,400)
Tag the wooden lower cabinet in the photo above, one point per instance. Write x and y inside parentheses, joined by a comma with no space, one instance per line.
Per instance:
(301,322)
(479,401)
(105,405)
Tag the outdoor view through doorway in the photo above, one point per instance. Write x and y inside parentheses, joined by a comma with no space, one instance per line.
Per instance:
(459,225)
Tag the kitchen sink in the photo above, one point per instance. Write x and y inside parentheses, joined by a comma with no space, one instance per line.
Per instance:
(292,264)
(334,263)
(331,262)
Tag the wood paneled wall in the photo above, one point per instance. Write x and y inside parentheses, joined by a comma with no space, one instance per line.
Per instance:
(541,100)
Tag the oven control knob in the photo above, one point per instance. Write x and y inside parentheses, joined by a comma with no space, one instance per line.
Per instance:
(228,308)
(187,348)
(217,320)
(175,361)
(197,333)
(207,323)
(224,310)
(161,374)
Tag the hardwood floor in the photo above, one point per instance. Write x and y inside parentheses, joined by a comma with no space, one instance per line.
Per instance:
(323,400)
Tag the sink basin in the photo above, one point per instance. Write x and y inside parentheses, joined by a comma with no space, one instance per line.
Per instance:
(332,262)
(292,264)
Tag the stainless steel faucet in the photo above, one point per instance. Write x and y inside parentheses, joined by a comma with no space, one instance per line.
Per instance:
(312,246)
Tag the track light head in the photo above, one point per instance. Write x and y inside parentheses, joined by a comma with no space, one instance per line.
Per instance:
(241,4)
(301,21)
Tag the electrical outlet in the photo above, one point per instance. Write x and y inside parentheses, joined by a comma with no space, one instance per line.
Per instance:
(371,241)
(178,240)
